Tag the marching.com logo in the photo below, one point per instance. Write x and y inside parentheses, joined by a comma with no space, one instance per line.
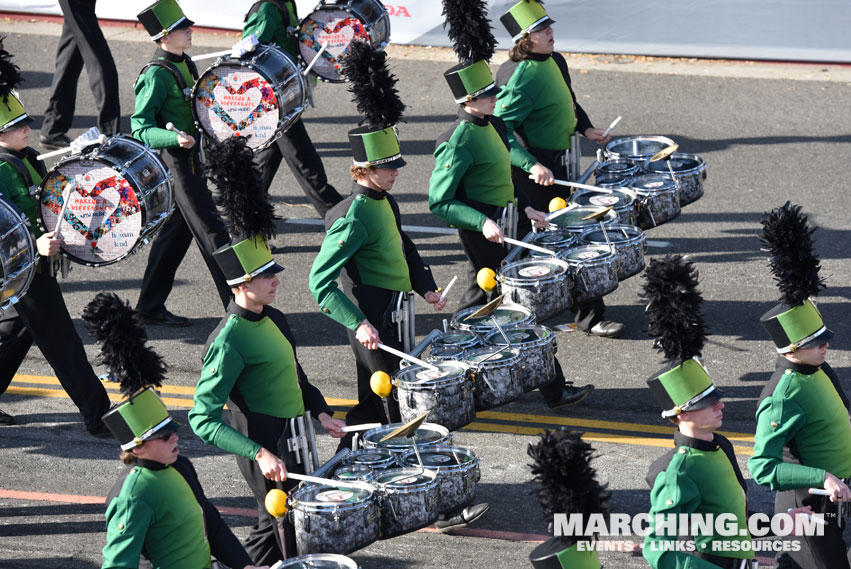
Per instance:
(398,11)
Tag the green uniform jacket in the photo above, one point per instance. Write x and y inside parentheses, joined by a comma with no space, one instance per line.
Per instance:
(269,20)
(250,364)
(471,164)
(364,235)
(14,187)
(159,101)
(537,102)
(802,428)
(696,477)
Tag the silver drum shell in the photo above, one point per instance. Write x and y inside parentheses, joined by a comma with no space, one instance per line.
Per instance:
(449,399)
(659,199)
(508,314)
(593,277)
(690,170)
(625,203)
(636,148)
(332,527)
(630,242)
(496,382)
(537,357)
(456,483)
(545,296)
(406,507)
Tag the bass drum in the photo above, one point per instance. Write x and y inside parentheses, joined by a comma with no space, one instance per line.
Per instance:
(119,194)
(340,22)
(258,96)
(18,257)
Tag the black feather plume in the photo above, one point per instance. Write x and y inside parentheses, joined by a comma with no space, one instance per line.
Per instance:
(562,466)
(247,211)
(673,308)
(372,86)
(115,326)
(789,238)
(10,74)
(469,29)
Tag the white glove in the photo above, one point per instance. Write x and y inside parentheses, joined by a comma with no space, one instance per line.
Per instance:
(85,140)
(243,46)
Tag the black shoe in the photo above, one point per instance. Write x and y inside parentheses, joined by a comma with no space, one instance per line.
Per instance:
(467,516)
(607,329)
(570,396)
(163,318)
(6,419)
(54,142)
(99,431)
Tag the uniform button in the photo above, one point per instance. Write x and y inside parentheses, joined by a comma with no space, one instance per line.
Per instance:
(788,371)
(212,370)
(340,242)
(326,311)
(682,451)
(669,502)
(135,470)
(447,165)
(773,424)
(121,526)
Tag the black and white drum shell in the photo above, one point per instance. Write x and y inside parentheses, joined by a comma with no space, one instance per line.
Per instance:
(542,285)
(318,561)
(636,148)
(354,473)
(447,394)
(458,474)
(372,458)
(622,167)
(659,199)
(556,240)
(690,170)
(427,434)
(495,373)
(18,256)
(595,271)
(507,314)
(623,201)
(333,520)
(572,220)
(630,243)
(408,500)
(537,345)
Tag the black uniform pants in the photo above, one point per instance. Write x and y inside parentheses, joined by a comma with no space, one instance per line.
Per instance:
(263,543)
(297,149)
(195,215)
(816,552)
(41,316)
(82,43)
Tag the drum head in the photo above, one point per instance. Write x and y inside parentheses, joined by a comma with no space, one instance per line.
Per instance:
(616,234)
(637,148)
(425,375)
(679,163)
(370,457)
(440,457)
(353,472)
(404,477)
(329,496)
(452,339)
(652,183)
(337,27)
(620,166)
(489,356)
(504,315)
(555,238)
(425,435)
(615,198)
(587,253)
(573,219)
(534,269)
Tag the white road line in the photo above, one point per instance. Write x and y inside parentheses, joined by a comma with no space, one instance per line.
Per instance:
(405,228)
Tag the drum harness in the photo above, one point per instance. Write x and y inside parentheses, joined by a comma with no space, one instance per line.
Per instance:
(404,316)
(302,442)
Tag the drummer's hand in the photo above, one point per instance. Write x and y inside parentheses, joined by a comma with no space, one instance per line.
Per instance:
(332,425)
(539,218)
(433,298)
(839,491)
(272,467)
(542,175)
(47,245)
(186,142)
(367,335)
(492,231)
(596,135)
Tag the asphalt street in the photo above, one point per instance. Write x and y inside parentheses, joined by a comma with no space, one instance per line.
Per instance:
(769,133)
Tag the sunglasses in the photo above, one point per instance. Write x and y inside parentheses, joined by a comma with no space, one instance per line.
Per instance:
(164,436)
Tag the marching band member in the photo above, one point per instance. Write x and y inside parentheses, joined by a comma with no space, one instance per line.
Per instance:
(364,236)
(162,97)
(700,475)
(41,315)
(250,360)
(803,435)
(272,21)
(156,508)
(538,105)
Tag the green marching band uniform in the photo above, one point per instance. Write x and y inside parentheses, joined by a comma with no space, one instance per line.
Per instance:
(154,510)
(697,476)
(365,246)
(163,96)
(274,21)
(802,420)
(40,316)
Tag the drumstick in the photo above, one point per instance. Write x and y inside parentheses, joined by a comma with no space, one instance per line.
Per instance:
(327,482)
(99,140)
(66,193)
(818,492)
(529,246)
(446,290)
(315,59)
(362,427)
(170,126)
(578,185)
(212,55)
(611,126)
(408,357)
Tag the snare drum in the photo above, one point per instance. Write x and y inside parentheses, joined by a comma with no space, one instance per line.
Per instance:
(427,434)
(407,498)
(541,285)
(506,315)
(595,271)
(354,473)
(572,220)
(318,561)
(659,199)
(447,394)
(122,194)
(636,148)
(611,181)
(372,458)
(537,345)
(340,22)
(623,167)
(258,96)
(18,257)
(333,520)
(622,200)
(630,243)
(458,473)
(453,343)
(495,373)
(557,240)
(690,170)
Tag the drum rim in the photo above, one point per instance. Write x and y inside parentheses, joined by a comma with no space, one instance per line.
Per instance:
(656,176)
(315,506)
(693,171)
(537,342)
(611,216)
(617,207)
(569,236)
(479,366)
(358,452)
(431,383)
(472,464)
(639,237)
(651,137)
(341,560)
(386,429)
(602,259)
(464,312)
(383,488)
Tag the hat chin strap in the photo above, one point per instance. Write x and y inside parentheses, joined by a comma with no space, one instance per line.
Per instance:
(251,275)
(685,406)
(795,346)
